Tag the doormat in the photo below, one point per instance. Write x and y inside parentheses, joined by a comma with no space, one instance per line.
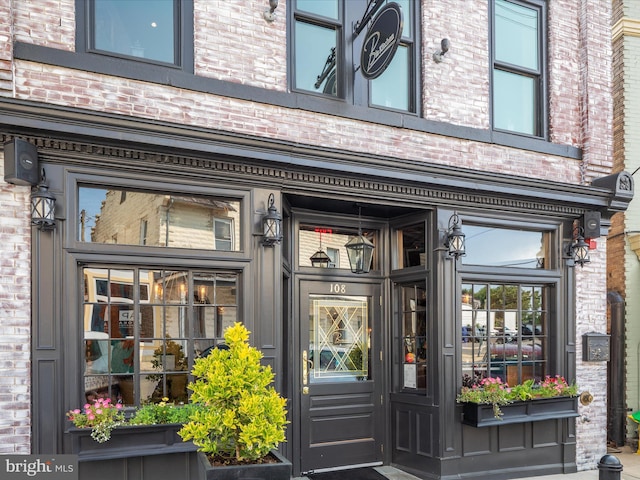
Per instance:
(354,474)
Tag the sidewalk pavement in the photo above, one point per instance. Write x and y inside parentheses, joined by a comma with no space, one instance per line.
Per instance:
(629,459)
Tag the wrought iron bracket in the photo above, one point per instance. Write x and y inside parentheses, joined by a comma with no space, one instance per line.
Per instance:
(372,8)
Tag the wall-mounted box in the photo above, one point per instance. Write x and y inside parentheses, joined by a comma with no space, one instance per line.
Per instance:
(595,347)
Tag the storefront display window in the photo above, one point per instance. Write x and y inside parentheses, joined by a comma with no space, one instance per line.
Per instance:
(504,332)
(413,322)
(143,328)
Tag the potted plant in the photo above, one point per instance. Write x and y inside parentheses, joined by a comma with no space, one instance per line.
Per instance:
(490,401)
(243,418)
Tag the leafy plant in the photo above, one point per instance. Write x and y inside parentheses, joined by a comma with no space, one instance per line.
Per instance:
(243,417)
(494,392)
(102,417)
(162,413)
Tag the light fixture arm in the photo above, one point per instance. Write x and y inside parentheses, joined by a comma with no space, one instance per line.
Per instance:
(270,15)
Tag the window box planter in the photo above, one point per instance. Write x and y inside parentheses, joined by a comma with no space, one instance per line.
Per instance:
(264,471)
(481,415)
(141,450)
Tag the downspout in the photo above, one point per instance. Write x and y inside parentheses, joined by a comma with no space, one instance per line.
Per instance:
(616,408)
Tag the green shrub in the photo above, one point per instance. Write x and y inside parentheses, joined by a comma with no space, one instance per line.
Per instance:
(243,417)
(163,412)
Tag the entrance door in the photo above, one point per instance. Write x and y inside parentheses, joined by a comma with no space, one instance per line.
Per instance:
(340,375)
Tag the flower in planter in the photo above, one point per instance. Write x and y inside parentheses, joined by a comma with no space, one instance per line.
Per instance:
(493,391)
(242,416)
(102,417)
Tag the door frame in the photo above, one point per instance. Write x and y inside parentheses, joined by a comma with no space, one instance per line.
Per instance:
(376,288)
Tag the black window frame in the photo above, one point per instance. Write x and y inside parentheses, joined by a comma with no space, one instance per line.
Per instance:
(183,47)
(541,100)
(352,87)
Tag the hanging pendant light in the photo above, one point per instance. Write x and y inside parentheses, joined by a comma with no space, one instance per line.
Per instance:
(360,250)
(320,259)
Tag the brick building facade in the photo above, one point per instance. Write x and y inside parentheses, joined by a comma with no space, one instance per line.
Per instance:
(227,121)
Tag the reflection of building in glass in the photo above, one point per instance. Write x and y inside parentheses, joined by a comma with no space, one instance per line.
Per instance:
(138,218)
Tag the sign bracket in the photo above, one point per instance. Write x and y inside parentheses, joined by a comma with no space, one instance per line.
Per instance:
(372,8)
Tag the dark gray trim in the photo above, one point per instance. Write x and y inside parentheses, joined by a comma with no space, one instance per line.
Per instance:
(209,149)
(170,76)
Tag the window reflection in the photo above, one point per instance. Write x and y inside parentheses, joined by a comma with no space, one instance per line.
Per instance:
(504,332)
(502,247)
(331,241)
(143,328)
(315,59)
(414,336)
(391,89)
(411,245)
(127,217)
(137,28)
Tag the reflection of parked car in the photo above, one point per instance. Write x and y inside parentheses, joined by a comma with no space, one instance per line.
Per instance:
(505,334)
(529,329)
(509,351)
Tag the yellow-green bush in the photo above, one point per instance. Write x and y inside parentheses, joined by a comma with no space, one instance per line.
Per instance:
(243,416)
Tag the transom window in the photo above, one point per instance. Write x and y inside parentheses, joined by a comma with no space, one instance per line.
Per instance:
(144,327)
(325,51)
(519,98)
(128,217)
(504,332)
(506,247)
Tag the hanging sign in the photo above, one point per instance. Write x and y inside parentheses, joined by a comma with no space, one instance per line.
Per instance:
(381,42)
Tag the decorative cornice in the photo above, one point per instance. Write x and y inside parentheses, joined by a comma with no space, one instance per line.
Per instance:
(85,139)
(628,27)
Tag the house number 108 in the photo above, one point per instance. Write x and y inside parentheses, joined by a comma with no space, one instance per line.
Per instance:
(338,288)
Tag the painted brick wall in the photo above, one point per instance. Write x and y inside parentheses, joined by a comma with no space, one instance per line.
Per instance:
(456,91)
(591,316)
(6,48)
(262,63)
(15,317)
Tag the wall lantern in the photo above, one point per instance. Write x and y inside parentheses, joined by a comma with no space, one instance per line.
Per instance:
(271,225)
(320,259)
(360,250)
(455,238)
(43,206)
(579,250)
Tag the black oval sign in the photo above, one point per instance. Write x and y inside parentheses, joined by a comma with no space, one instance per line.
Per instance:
(381,41)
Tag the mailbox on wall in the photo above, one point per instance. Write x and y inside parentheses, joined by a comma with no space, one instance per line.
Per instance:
(595,347)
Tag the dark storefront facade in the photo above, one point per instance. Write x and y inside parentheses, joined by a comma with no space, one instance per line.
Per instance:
(371,363)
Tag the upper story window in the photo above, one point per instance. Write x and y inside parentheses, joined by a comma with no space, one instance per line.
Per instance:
(325,52)
(518,80)
(152,31)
